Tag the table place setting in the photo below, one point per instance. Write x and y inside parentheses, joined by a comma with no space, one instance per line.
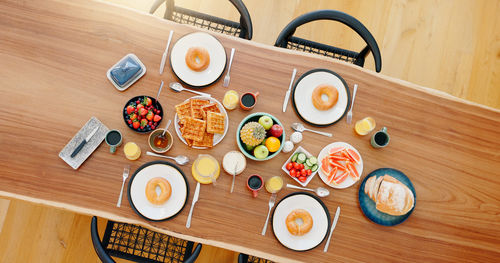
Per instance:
(159,190)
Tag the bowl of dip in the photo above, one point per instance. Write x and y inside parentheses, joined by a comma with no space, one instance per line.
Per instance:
(159,145)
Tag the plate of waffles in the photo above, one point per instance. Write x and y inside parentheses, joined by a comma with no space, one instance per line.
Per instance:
(198,59)
(201,122)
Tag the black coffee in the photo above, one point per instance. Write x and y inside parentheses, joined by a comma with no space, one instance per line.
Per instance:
(254,182)
(113,137)
(381,138)
(248,100)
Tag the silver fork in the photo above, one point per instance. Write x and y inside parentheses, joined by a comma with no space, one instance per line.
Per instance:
(125,175)
(349,114)
(272,200)
(227,78)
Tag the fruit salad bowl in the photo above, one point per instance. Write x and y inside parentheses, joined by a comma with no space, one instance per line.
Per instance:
(142,114)
(260,136)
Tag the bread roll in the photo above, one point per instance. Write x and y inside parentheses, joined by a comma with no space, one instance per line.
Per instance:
(390,195)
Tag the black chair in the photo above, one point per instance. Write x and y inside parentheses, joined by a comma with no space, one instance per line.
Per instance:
(244,258)
(243,29)
(140,244)
(287,40)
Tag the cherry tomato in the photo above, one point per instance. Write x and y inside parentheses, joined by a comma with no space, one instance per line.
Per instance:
(289,166)
(302,179)
(309,172)
(296,166)
(301,166)
(293,172)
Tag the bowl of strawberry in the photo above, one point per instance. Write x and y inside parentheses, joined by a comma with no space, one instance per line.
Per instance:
(142,114)
(301,166)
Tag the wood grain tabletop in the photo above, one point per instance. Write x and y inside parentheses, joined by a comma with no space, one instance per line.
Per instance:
(53,61)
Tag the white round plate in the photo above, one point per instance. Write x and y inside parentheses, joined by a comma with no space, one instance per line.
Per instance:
(319,213)
(348,181)
(217,137)
(198,78)
(302,97)
(137,191)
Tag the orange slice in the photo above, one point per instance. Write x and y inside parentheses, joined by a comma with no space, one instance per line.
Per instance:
(340,178)
(353,171)
(354,156)
(335,150)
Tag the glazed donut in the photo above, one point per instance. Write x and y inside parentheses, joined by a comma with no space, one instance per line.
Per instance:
(166,190)
(197,58)
(330,91)
(299,229)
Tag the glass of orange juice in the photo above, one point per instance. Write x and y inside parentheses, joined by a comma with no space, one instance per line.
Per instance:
(205,169)
(365,126)
(274,184)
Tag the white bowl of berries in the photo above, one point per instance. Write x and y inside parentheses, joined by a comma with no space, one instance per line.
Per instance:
(142,114)
(301,166)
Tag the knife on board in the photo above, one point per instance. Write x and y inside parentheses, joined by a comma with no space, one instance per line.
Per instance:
(337,214)
(86,140)
(195,199)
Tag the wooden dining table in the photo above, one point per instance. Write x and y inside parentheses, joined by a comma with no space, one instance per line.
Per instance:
(53,61)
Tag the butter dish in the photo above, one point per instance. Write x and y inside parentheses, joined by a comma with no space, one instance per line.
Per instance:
(126,72)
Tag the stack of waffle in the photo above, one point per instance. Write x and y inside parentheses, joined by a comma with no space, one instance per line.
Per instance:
(199,120)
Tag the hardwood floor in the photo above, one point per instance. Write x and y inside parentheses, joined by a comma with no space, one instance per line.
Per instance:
(452,46)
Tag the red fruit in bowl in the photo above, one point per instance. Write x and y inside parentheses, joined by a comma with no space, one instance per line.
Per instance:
(144,123)
(135,124)
(143,112)
(130,109)
(140,106)
(149,116)
(148,101)
(156,118)
(276,130)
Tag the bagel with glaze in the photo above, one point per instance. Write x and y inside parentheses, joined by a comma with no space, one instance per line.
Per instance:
(294,227)
(197,58)
(330,92)
(166,190)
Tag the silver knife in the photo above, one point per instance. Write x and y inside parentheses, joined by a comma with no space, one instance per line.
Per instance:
(195,199)
(86,140)
(165,53)
(337,214)
(287,95)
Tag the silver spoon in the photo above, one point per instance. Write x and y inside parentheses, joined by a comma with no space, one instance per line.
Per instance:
(166,128)
(320,191)
(180,159)
(178,87)
(300,128)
